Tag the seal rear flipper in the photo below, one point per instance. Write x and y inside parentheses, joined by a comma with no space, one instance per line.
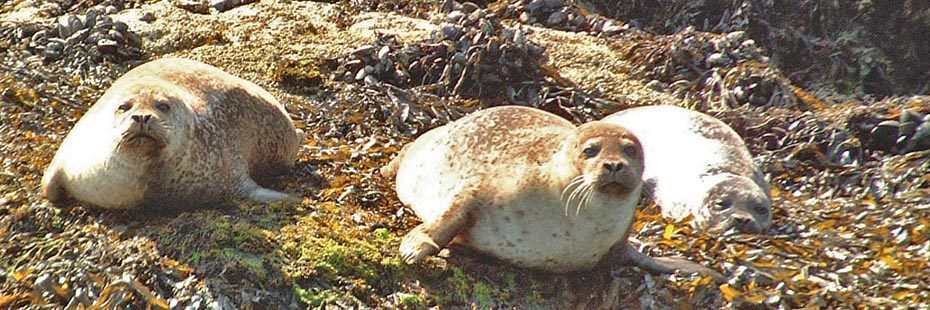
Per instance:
(428,238)
(668,264)
(252,191)
(53,187)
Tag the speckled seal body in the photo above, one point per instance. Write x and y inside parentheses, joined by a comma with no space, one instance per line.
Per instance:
(175,133)
(697,165)
(520,184)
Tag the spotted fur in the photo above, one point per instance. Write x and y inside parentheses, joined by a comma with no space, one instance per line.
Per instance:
(494,181)
(218,138)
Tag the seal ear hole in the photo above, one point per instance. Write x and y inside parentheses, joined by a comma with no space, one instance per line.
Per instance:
(164,107)
(591,150)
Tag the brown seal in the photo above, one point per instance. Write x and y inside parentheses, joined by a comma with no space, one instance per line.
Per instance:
(525,186)
(175,133)
(699,166)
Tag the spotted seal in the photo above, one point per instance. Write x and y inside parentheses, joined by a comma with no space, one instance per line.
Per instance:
(697,165)
(175,133)
(525,186)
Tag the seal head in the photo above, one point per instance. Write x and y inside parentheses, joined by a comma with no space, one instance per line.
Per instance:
(738,202)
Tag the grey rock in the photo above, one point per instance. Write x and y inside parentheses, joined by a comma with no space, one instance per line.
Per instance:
(371,80)
(383,53)
(469,7)
(107,46)
(110,10)
(120,26)
(43,283)
(553,3)
(147,17)
(534,5)
(716,59)
(364,51)
(90,20)
(555,18)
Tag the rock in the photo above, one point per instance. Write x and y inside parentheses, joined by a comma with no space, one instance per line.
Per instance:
(364,51)
(43,283)
(371,80)
(147,17)
(884,135)
(556,18)
(90,20)
(553,3)
(107,46)
(920,140)
(110,10)
(64,28)
(219,5)
(120,26)
(716,59)
(383,53)
(533,5)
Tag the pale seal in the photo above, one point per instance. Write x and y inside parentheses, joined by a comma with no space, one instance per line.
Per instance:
(697,165)
(525,186)
(175,133)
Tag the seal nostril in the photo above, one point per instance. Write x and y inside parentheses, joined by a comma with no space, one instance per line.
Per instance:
(613,167)
(146,118)
(137,118)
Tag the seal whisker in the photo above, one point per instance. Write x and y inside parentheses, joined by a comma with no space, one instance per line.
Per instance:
(584,198)
(576,193)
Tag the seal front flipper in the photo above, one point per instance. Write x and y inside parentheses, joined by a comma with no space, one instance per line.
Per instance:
(665,264)
(53,187)
(248,189)
(428,238)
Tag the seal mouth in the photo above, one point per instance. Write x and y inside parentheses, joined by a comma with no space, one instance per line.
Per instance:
(612,187)
(139,140)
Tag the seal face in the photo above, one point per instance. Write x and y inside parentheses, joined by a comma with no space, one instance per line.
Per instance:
(174,133)
(523,185)
(697,165)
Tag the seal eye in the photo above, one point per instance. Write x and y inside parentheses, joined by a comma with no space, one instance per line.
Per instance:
(629,150)
(723,205)
(762,210)
(164,107)
(591,151)
(124,107)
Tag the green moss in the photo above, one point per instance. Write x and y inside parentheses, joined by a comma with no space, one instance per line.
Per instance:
(314,297)
(411,301)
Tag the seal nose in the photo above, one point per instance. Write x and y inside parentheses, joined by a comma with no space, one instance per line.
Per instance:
(143,118)
(613,167)
(746,225)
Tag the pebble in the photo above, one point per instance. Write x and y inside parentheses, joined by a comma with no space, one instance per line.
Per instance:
(884,135)
(370,80)
(384,53)
(43,283)
(120,26)
(147,17)
(555,18)
(107,46)
(716,59)
(364,51)
(109,10)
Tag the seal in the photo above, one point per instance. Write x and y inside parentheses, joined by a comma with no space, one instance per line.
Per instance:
(175,133)
(699,166)
(525,186)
